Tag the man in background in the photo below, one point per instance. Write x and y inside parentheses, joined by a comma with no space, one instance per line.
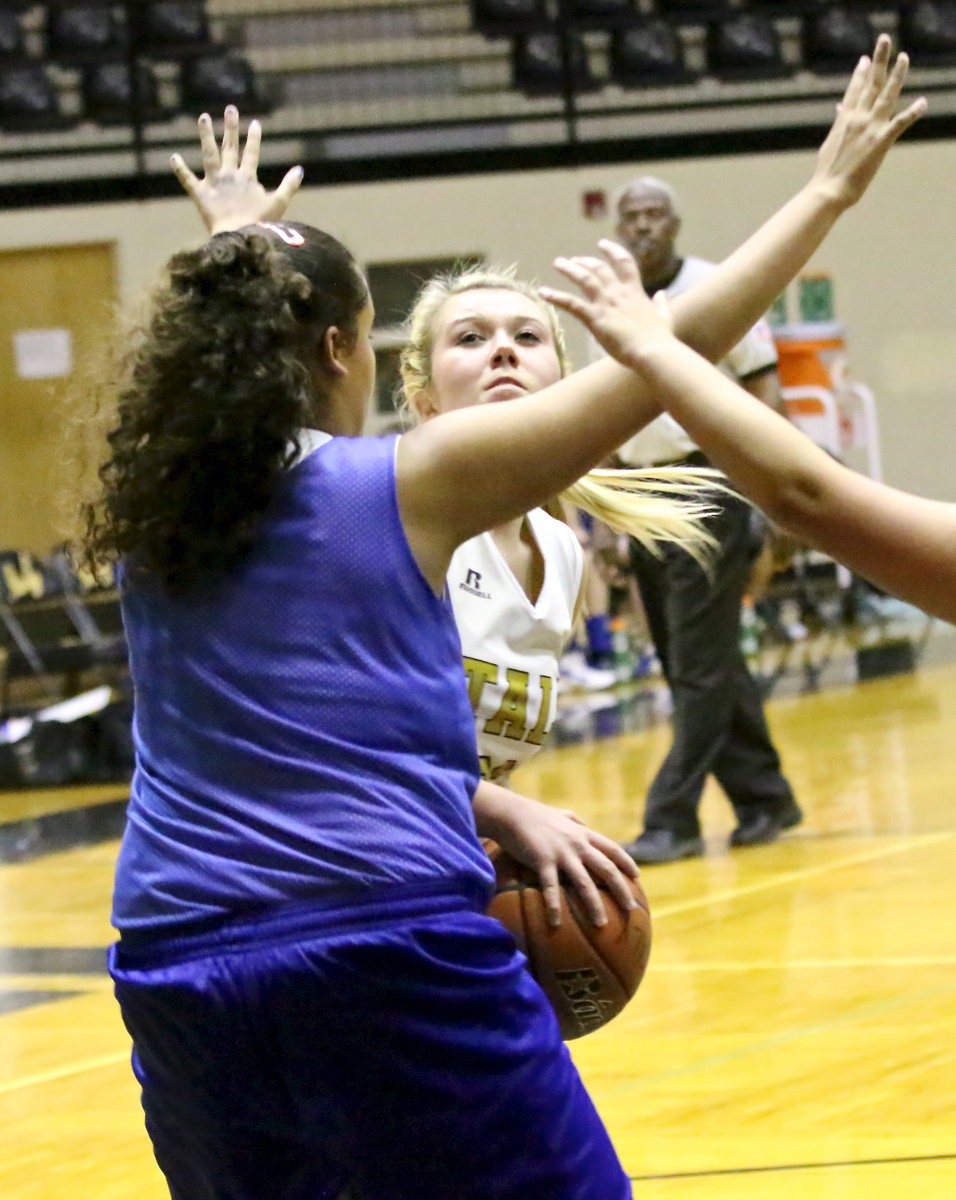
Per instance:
(693,615)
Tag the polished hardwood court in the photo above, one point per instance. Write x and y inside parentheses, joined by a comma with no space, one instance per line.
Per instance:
(795,1035)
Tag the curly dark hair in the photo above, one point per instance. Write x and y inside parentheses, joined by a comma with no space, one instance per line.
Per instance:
(213,392)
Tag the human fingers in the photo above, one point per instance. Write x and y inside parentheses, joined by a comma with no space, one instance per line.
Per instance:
(663,305)
(208,146)
(891,130)
(282,196)
(612,879)
(619,888)
(909,116)
(580,878)
(601,268)
(229,154)
(579,273)
(877,71)
(592,275)
(616,853)
(565,300)
(886,101)
(854,89)
(549,884)
(185,176)
(250,152)
(621,260)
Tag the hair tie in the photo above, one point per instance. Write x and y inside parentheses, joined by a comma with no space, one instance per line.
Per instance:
(290,236)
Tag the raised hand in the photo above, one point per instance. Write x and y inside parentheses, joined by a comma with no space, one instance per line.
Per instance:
(867,124)
(230,195)
(613,304)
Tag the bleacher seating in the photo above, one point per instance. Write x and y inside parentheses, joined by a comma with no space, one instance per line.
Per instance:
(171,27)
(56,627)
(83,33)
(647,53)
(928,28)
(65,702)
(373,82)
(12,39)
(745,45)
(113,92)
(29,99)
(210,82)
(65,63)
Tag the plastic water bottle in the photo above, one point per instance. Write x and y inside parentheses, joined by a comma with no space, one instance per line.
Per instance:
(623,658)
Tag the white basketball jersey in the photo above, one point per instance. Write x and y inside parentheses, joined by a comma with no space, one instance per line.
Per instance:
(510,646)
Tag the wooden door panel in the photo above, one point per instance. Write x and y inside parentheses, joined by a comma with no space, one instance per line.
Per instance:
(63,287)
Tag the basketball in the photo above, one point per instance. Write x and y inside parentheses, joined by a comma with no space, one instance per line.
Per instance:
(589,973)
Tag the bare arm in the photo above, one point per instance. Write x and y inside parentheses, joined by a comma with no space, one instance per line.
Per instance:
(715,314)
(468,471)
(766,388)
(904,543)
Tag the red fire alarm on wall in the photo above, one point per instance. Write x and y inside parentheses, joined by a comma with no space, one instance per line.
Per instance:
(594,205)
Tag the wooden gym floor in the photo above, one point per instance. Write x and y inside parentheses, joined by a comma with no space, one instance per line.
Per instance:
(795,1036)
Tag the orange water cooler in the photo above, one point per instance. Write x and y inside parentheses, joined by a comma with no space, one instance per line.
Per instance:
(835,411)
(812,354)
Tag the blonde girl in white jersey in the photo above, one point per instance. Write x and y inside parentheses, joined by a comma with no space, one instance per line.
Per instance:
(483,337)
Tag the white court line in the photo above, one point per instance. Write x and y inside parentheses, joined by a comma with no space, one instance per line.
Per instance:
(56,983)
(665,911)
(80,1068)
(807,964)
(750,889)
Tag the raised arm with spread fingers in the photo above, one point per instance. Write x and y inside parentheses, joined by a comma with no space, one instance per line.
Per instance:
(470,470)
(715,314)
(230,195)
(904,543)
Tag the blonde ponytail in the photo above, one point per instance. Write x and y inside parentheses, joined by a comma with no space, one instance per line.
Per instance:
(653,505)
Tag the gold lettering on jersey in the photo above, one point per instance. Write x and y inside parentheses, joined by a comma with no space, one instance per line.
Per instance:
(478,672)
(493,773)
(22,579)
(537,735)
(511,719)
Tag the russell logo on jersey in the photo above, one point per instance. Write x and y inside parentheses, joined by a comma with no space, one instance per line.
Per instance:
(472,585)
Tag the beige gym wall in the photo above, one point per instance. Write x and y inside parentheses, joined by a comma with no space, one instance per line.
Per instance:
(893,259)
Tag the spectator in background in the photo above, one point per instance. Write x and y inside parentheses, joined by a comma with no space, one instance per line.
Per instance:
(693,614)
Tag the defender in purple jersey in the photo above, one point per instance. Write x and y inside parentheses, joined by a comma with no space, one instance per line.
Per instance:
(314,994)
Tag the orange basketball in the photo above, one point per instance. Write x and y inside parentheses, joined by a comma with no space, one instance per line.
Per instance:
(587,972)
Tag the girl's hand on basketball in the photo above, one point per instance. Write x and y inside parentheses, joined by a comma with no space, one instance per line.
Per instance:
(559,848)
(866,126)
(613,304)
(230,195)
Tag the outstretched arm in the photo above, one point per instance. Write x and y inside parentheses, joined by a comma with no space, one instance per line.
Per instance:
(490,468)
(904,543)
(717,312)
(230,195)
